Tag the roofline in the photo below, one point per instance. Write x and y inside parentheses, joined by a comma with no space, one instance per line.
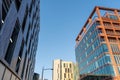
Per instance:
(101,8)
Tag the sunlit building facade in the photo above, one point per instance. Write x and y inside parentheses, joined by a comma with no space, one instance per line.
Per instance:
(63,70)
(19,29)
(98,44)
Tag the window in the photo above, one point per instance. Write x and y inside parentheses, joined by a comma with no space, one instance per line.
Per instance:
(31,8)
(68,70)
(102,39)
(68,75)
(117,32)
(106,24)
(28,33)
(112,39)
(5,9)
(99,30)
(116,25)
(20,56)
(108,31)
(113,17)
(25,18)
(27,71)
(70,66)
(12,43)
(4,14)
(6,4)
(119,69)
(17,3)
(119,39)
(64,64)
(64,75)
(114,48)
(117,59)
(65,70)
(105,48)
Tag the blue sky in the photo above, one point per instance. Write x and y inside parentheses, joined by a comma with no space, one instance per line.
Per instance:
(60,23)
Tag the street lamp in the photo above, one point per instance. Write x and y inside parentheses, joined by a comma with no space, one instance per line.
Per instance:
(43,71)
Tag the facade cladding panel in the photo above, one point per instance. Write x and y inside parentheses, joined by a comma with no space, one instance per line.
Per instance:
(19,30)
(98,44)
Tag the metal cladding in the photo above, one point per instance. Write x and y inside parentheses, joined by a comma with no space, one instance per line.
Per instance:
(19,30)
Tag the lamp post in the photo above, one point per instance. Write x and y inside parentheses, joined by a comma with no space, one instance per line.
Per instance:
(43,71)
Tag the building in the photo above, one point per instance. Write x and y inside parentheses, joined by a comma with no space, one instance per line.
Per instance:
(19,29)
(76,72)
(63,70)
(98,43)
(36,76)
(96,77)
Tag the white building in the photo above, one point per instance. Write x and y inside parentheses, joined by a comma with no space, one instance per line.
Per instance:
(63,70)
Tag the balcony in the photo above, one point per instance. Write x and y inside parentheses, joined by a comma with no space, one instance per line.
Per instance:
(109,32)
(117,32)
(116,26)
(107,25)
(110,17)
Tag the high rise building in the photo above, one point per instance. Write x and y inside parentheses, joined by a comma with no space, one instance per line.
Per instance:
(19,29)
(63,70)
(98,44)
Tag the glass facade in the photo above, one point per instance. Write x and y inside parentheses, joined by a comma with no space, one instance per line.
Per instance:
(97,45)
(91,54)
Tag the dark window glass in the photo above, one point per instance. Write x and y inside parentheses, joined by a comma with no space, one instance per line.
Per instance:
(4,13)
(23,69)
(70,65)
(12,43)
(20,56)
(28,34)
(64,75)
(64,64)
(5,8)
(25,18)
(18,64)
(17,3)
(6,4)
(27,71)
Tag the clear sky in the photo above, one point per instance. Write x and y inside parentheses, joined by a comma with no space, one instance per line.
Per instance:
(60,23)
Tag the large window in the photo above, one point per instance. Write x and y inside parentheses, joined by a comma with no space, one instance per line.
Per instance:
(12,43)
(4,13)
(20,56)
(25,18)
(23,69)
